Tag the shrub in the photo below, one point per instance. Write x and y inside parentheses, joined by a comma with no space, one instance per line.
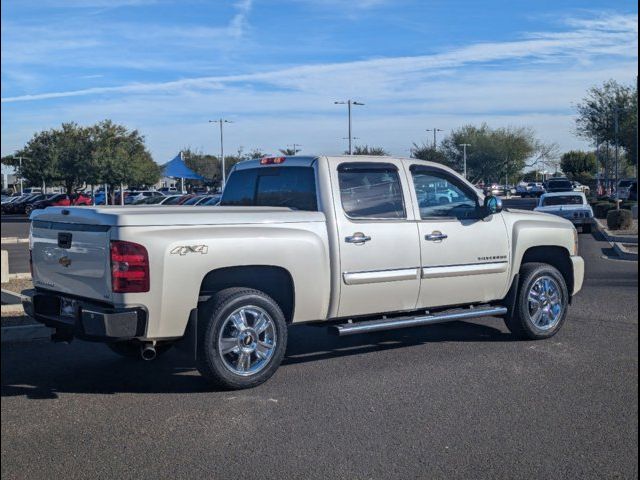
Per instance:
(619,219)
(601,209)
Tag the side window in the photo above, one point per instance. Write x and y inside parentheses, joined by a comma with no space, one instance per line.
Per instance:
(371,190)
(441,195)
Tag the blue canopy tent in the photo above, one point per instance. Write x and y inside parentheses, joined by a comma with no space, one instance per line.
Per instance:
(176,168)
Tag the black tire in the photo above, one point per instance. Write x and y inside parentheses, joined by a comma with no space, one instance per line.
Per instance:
(586,228)
(131,349)
(519,321)
(212,319)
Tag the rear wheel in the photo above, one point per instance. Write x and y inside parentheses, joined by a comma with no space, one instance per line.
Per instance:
(542,302)
(586,228)
(242,337)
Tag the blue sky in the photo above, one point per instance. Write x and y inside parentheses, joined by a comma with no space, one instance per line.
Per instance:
(275,67)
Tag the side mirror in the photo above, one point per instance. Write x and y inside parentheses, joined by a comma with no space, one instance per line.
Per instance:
(492,205)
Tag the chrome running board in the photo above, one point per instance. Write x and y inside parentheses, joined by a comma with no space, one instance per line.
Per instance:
(406,322)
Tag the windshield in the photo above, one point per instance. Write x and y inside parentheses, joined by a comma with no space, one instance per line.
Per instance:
(563,200)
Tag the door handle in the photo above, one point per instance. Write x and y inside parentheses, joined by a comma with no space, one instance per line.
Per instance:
(358,238)
(436,236)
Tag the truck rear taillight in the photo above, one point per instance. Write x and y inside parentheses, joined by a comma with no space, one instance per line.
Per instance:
(129,267)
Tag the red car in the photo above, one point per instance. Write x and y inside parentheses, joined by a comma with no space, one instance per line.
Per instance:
(60,200)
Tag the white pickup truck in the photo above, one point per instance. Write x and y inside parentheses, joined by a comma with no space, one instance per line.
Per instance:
(361,244)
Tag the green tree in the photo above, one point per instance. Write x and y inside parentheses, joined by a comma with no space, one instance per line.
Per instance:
(120,157)
(72,149)
(39,164)
(598,111)
(497,154)
(579,165)
(203,164)
(429,153)
(367,150)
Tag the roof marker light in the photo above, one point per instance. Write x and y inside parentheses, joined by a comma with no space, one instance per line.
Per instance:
(272,160)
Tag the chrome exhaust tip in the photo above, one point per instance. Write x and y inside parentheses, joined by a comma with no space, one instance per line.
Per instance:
(148,352)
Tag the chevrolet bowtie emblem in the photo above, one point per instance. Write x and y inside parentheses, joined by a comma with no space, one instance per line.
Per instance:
(64,261)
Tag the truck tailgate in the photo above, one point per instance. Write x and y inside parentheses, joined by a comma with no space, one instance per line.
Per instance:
(71,258)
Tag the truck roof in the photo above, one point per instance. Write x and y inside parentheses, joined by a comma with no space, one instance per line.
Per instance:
(308,160)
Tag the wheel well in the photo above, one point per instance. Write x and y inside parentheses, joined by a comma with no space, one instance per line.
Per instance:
(557,257)
(274,281)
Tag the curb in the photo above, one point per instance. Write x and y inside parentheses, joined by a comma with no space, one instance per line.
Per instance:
(624,253)
(20,276)
(25,333)
(612,237)
(11,298)
(13,309)
(14,240)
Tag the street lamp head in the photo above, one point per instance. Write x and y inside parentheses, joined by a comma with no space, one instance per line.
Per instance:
(357,103)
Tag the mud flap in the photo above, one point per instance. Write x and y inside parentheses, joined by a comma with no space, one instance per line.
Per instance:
(512,297)
(189,342)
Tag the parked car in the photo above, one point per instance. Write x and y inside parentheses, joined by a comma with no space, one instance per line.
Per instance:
(306,240)
(570,205)
(211,201)
(536,189)
(19,206)
(558,185)
(132,196)
(195,200)
(578,187)
(628,190)
(158,200)
(169,190)
(59,200)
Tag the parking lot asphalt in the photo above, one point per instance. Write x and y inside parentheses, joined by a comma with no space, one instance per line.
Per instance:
(458,400)
(15,226)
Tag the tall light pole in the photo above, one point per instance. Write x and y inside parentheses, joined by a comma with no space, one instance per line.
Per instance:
(464,156)
(295,148)
(20,158)
(616,112)
(222,121)
(435,132)
(348,103)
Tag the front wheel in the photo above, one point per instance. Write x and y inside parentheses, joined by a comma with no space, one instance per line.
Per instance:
(242,337)
(542,302)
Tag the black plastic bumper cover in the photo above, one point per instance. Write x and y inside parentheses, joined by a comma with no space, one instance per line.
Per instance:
(92,320)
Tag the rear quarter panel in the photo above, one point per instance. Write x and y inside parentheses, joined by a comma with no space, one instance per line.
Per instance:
(300,248)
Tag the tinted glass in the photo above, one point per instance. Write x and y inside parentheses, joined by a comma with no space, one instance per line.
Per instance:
(171,201)
(293,187)
(440,195)
(192,201)
(371,191)
(560,184)
(563,200)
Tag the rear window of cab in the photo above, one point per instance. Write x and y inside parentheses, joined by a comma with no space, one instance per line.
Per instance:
(292,187)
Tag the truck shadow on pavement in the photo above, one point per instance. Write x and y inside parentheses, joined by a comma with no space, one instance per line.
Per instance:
(40,370)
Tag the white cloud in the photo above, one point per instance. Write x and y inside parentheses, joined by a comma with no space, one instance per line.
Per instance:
(531,81)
